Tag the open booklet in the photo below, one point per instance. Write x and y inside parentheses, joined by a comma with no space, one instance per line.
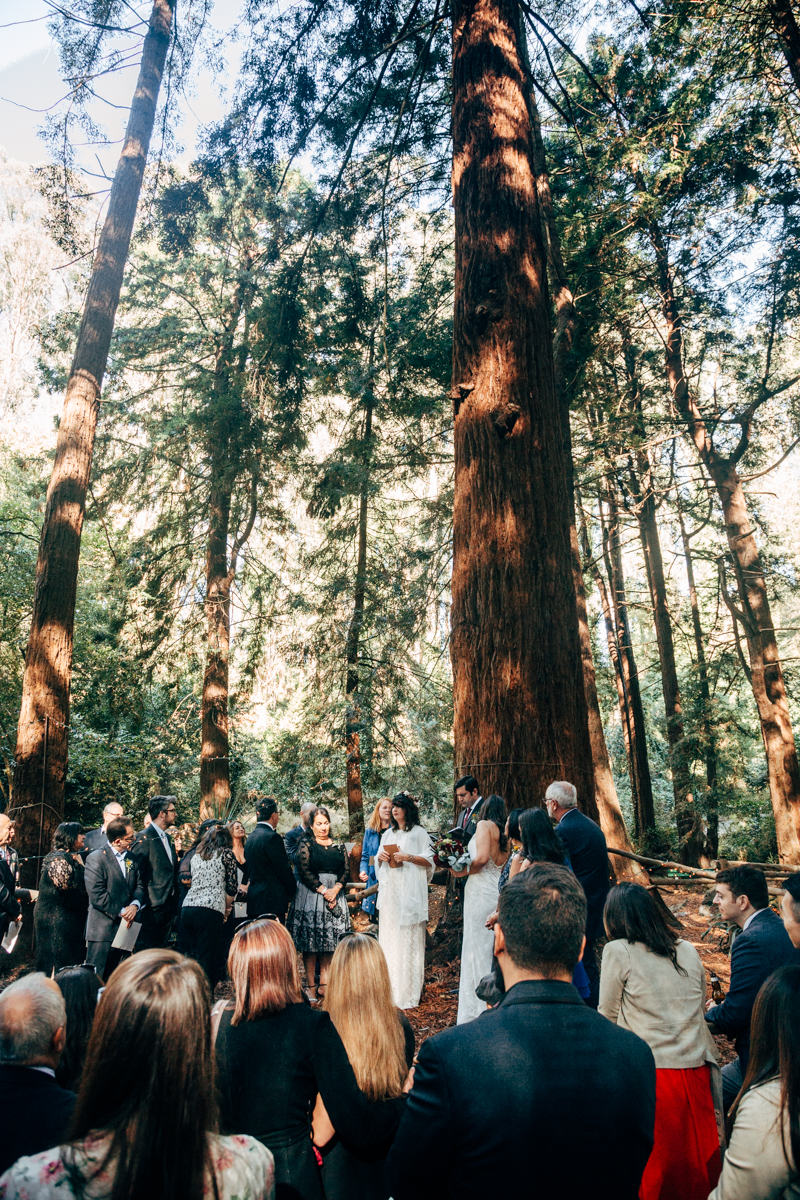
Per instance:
(10,940)
(125,937)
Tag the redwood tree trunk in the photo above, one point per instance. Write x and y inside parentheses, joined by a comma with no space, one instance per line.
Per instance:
(709,736)
(215,787)
(768,684)
(355,795)
(785,25)
(520,709)
(48,659)
(612,549)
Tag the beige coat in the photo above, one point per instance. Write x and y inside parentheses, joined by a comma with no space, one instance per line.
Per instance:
(642,991)
(754,1167)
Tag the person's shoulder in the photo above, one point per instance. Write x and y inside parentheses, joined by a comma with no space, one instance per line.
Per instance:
(36,1176)
(620,949)
(243,1166)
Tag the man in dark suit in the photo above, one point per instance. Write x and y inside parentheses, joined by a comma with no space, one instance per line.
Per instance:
(158,865)
(763,945)
(10,908)
(467,792)
(116,893)
(272,881)
(585,844)
(96,838)
(539,1097)
(36,1111)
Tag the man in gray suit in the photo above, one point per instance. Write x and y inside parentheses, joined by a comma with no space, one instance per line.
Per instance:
(116,893)
(96,838)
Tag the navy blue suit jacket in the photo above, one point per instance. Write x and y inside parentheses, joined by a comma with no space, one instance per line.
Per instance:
(36,1113)
(756,953)
(588,855)
(540,1097)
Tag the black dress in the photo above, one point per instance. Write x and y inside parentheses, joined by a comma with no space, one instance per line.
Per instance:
(270,1072)
(345,1176)
(60,913)
(315,928)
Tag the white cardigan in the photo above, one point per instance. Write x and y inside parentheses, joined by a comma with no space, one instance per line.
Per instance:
(755,1167)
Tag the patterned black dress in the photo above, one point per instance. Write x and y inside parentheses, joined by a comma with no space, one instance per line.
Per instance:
(60,913)
(315,928)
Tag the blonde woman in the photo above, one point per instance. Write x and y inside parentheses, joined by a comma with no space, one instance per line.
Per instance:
(377,825)
(380,1045)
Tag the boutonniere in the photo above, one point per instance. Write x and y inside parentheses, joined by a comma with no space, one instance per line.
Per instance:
(128,866)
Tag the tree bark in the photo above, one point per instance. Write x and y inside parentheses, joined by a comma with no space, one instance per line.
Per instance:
(767,681)
(612,821)
(785,25)
(709,736)
(519,705)
(612,552)
(355,795)
(48,659)
(215,787)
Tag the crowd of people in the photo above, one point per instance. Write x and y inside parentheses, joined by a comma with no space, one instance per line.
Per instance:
(569,1071)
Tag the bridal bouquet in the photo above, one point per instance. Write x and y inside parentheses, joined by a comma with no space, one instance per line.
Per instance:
(448,851)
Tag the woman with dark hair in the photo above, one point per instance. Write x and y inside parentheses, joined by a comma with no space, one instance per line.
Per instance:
(185,867)
(488,850)
(404,867)
(209,900)
(276,1054)
(654,984)
(79,987)
(145,1123)
(514,838)
(319,918)
(59,917)
(764,1122)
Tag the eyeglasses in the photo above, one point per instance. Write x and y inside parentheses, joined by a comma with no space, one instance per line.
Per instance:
(80,967)
(255,920)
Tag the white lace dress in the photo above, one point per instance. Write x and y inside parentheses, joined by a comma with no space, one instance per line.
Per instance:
(480,901)
(403,913)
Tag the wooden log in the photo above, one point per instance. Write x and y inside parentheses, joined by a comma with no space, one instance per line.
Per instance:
(697,872)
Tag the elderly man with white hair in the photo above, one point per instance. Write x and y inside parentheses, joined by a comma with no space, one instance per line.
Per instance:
(36,1111)
(588,854)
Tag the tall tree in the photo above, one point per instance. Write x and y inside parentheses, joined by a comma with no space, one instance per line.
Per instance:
(42,742)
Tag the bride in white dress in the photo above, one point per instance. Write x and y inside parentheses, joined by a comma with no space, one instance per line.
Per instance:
(488,851)
(403,900)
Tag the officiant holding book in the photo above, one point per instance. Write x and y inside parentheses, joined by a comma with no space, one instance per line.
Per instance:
(116,895)
(404,867)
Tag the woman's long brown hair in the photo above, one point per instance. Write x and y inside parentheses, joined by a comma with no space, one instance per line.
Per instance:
(775,1052)
(359,1000)
(149,1081)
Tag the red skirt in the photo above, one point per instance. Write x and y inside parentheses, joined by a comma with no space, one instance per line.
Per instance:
(685,1161)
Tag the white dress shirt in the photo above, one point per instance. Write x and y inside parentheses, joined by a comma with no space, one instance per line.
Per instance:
(166,841)
(120,857)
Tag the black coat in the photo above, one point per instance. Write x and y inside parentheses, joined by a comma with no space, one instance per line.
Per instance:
(60,914)
(109,892)
(586,846)
(36,1113)
(756,953)
(95,840)
(539,1097)
(9,905)
(272,881)
(159,874)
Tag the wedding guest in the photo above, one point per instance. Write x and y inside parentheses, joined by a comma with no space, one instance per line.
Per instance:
(541,843)
(116,894)
(790,909)
(378,823)
(35,1110)
(320,916)
(514,838)
(403,899)
(467,793)
(209,900)
(185,864)
(80,988)
(764,1124)
(276,1054)
(10,894)
(654,984)
(158,864)
(292,839)
(232,922)
(488,851)
(271,881)
(96,838)
(379,1042)
(539,1095)
(59,917)
(742,897)
(146,1116)
(588,855)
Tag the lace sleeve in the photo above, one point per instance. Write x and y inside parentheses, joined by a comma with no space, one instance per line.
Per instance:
(344,874)
(303,864)
(231,878)
(61,873)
